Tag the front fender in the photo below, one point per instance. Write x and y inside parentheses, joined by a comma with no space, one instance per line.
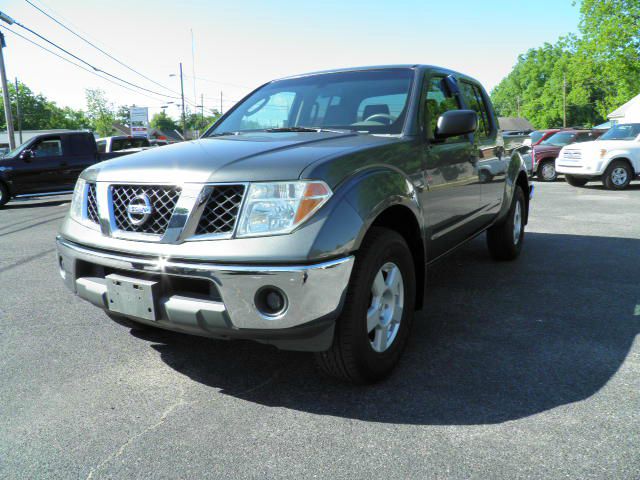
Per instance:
(356,205)
(516,173)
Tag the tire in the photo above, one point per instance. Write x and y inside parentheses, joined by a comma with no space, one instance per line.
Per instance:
(484,176)
(4,194)
(357,354)
(618,175)
(125,322)
(547,171)
(576,181)
(501,238)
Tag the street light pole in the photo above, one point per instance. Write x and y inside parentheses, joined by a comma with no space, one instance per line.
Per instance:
(5,94)
(184,118)
(19,111)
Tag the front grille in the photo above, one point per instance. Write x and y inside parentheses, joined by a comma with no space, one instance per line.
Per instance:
(572,154)
(92,204)
(162,199)
(221,211)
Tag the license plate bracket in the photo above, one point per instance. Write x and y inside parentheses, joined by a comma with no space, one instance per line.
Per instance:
(132,296)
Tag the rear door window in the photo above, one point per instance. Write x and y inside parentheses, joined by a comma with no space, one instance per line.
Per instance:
(475,101)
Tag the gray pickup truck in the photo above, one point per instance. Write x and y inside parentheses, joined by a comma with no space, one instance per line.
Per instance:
(306,217)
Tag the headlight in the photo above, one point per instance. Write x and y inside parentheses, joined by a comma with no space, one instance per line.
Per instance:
(603,152)
(278,208)
(77,201)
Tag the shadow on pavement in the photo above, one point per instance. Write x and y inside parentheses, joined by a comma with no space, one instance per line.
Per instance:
(22,203)
(495,341)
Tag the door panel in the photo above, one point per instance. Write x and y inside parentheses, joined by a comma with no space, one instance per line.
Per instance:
(492,163)
(452,198)
(46,170)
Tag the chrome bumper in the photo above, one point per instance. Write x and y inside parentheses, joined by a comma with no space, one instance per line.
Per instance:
(313,291)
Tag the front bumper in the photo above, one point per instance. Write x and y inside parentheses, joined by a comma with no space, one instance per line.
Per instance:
(577,168)
(315,294)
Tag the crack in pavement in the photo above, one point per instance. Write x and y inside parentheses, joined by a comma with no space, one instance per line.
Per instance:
(181,401)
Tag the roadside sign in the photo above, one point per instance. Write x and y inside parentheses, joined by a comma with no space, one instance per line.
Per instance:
(139,121)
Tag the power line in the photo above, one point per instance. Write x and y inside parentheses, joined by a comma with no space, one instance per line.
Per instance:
(76,65)
(97,47)
(96,69)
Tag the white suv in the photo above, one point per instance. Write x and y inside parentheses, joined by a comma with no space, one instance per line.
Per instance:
(614,158)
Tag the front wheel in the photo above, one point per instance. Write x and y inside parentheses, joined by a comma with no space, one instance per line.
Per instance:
(547,171)
(617,176)
(373,328)
(505,238)
(576,181)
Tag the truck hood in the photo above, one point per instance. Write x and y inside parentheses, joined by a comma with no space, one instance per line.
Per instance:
(258,156)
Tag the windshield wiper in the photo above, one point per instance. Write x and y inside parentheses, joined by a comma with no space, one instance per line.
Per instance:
(223,134)
(305,129)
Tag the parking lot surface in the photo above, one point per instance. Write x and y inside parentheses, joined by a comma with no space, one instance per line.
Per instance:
(528,369)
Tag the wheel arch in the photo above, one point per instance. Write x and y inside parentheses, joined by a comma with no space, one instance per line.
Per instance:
(623,158)
(383,196)
(516,176)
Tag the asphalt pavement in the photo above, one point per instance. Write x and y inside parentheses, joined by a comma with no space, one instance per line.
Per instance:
(529,369)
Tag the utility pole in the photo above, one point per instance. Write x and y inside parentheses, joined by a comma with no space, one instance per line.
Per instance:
(184,117)
(5,88)
(564,99)
(221,112)
(19,111)
(518,104)
(202,107)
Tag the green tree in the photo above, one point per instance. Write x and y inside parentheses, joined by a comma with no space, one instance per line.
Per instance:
(599,69)
(100,112)
(122,115)
(39,113)
(163,122)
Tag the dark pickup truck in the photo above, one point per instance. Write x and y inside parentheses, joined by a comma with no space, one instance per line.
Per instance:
(48,164)
(305,218)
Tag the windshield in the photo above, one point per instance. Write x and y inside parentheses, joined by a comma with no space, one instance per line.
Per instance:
(126,143)
(536,136)
(560,139)
(627,131)
(372,101)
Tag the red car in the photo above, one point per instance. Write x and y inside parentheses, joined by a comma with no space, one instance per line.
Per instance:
(544,153)
(540,135)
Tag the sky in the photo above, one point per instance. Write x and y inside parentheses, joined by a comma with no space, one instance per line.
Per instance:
(239,45)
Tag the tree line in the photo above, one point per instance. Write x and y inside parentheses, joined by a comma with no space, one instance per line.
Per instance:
(582,77)
(39,113)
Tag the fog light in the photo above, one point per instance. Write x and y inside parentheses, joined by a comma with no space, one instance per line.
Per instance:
(271,301)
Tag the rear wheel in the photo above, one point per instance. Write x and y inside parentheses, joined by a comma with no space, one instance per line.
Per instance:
(505,239)
(618,175)
(373,328)
(4,194)
(576,181)
(547,171)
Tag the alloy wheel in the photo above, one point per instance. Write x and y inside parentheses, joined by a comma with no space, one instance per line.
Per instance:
(548,171)
(517,223)
(619,176)
(387,304)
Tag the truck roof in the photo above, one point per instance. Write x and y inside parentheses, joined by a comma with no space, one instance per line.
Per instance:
(420,66)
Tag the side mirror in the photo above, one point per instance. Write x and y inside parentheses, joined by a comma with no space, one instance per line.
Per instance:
(26,155)
(456,122)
